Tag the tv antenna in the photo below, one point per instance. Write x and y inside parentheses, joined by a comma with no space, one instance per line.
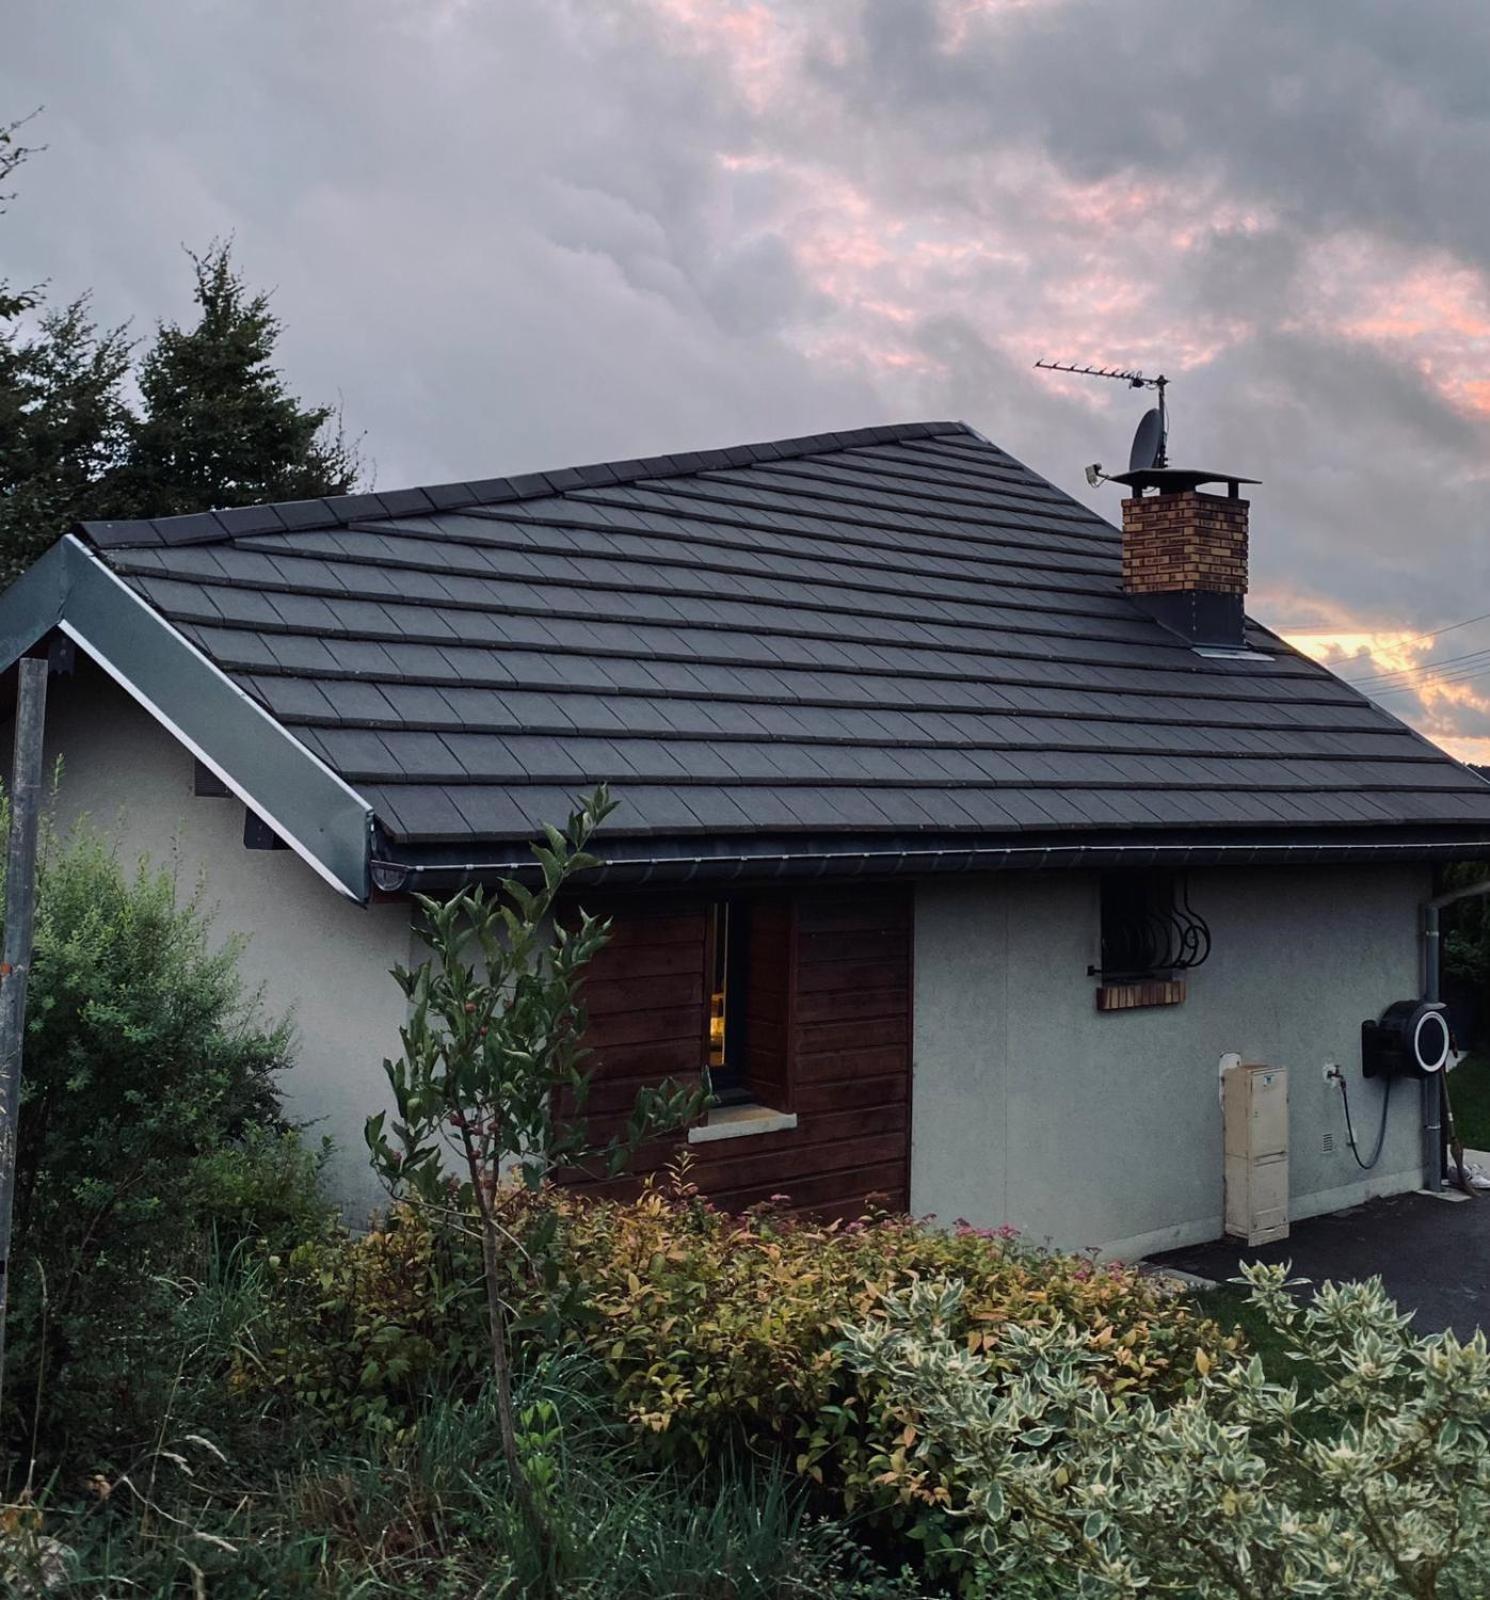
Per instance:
(1150,441)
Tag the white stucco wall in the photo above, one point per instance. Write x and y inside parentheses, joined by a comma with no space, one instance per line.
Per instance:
(317,955)
(1029,1107)
(1032,1109)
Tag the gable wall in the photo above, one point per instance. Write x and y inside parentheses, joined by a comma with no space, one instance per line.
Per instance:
(1104,1129)
(314,952)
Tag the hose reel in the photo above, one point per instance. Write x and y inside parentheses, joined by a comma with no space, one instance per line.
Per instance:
(1409,1040)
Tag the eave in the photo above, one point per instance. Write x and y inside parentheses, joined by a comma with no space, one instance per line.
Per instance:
(764,859)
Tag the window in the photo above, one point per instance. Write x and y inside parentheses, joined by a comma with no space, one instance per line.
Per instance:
(748,957)
(729,960)
(1150,935)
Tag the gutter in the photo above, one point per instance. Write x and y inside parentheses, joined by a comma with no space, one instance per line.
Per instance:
(393,876)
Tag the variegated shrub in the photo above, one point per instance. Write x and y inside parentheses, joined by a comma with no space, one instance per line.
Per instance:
(1376,1482)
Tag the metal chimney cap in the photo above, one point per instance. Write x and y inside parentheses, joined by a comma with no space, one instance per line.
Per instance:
(1175,480)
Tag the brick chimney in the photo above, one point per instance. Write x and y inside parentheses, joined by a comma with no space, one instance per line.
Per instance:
(1185,553)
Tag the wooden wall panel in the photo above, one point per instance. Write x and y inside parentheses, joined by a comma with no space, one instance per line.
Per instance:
(647,1013)
(769,1003)
(830,1040)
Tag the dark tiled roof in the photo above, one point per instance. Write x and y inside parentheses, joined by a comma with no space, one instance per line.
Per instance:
(899,630)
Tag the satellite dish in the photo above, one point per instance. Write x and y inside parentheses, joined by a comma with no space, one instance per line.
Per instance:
(1148,442)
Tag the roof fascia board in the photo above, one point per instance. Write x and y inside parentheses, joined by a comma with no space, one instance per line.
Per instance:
(327,823)
(32,606)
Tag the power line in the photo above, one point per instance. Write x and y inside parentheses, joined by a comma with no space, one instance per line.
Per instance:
(1399,678)
(1407,673)
(1417,638)
(1463,675)
(1433,633)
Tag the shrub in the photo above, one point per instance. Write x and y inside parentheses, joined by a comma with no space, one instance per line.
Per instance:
(146,1065)
(362,1327)
(264,1186)
(715,1328)
(715,1332)
(1375,1483)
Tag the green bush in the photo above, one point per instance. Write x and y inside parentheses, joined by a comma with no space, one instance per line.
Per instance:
(1374,1482)
(263,1186)
(148,1116)
(363,1326)
(714,1332)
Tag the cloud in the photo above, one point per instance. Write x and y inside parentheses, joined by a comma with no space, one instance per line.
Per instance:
(522,234)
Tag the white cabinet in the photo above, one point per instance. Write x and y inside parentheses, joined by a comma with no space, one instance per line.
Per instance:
(1254,1104)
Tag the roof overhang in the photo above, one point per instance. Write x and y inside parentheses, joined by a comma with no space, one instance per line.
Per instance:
(765,860)
(326,823)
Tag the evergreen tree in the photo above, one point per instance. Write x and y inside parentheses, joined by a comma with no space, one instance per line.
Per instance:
(62,410)
(219,428)
(63,430)
(12,155)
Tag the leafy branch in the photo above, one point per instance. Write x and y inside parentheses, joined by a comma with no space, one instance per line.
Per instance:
(491,1090)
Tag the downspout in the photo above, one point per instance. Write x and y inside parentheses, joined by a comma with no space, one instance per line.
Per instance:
(1432,970)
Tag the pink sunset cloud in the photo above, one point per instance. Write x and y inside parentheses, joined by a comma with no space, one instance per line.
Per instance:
(735,217)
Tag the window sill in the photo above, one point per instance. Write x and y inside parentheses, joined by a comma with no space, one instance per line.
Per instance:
(1140,994)
(740,1122)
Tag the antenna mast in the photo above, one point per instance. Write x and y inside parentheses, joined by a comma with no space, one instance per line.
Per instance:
(1134,380)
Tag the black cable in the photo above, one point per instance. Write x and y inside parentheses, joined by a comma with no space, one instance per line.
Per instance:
(1381,1132)
(1418,638)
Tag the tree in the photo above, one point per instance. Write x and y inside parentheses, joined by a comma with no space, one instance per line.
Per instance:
(64,426)
(62,410)
(219,427)
(61,405)
(12,156)
(490,1092)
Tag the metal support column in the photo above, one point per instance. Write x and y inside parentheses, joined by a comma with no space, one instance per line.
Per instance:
(15,967)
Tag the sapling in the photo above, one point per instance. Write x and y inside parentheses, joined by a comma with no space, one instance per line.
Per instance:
(491,1089)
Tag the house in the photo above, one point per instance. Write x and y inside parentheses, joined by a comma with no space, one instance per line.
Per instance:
(965,834)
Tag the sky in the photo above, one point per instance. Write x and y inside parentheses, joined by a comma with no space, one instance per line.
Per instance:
(514,234)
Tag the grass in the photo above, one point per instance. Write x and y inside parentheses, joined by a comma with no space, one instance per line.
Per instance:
(1231,1306)
(1469,1085)
(230,1499)
(432,1517)
(226,1509)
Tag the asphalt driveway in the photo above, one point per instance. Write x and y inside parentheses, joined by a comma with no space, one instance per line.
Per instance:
(1433,1256)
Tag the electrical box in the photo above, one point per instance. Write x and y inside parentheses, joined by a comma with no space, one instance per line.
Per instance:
(1254,1106)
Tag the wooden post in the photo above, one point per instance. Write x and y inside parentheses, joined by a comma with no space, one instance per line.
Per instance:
(15,966)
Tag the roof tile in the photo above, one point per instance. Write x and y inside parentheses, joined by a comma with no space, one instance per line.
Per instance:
(890,631)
